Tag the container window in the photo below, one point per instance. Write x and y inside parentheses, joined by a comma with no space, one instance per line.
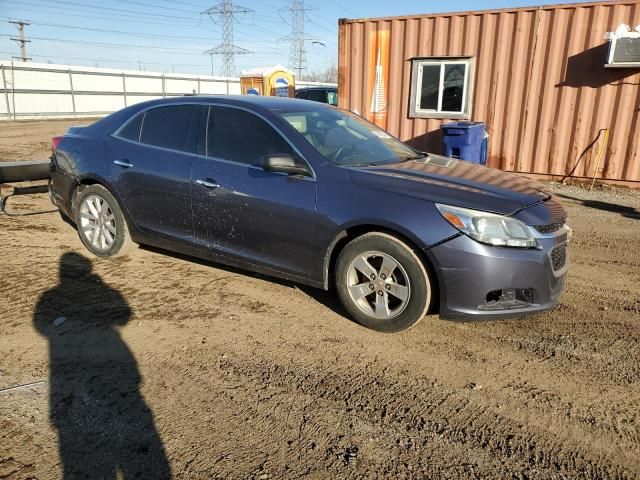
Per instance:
(441,88)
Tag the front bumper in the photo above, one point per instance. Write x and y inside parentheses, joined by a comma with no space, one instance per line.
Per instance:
(482,282)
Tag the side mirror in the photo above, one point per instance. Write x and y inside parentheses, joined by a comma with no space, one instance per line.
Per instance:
(283,163)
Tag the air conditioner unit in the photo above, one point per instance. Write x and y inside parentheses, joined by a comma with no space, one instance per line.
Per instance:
(624,47)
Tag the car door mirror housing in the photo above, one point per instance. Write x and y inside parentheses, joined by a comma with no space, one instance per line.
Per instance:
(283,163)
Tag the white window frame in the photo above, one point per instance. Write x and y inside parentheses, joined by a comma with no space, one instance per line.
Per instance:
(416,81)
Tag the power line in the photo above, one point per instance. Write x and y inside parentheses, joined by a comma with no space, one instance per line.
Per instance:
(107,60)
(118,10)
(131,2)
(117,45)
(226,13)
(21,41)
(127,46)
(349,11)
(61,10)
(138,34)
(199,7)
(64,11)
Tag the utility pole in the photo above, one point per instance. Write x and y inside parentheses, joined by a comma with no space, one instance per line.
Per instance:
(22,42)
(298,52)
(227,14)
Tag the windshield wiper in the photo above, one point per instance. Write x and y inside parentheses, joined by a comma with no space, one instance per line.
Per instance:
(415,157)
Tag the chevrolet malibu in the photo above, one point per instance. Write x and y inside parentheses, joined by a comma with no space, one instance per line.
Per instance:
(316,195)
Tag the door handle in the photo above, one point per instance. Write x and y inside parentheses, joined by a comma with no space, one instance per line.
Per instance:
(123,163)
(207,183)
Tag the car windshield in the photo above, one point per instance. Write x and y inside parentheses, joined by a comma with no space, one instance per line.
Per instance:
(346,139)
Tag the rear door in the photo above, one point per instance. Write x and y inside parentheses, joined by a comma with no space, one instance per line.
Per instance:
(151,159)
(242,211)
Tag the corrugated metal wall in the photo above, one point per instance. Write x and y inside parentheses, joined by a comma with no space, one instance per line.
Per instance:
(540,83)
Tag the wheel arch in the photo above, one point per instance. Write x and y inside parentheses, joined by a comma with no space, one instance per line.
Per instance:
(85,181)
(350,233)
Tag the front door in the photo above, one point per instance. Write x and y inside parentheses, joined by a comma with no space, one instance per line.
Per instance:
(151,168)
(241,210)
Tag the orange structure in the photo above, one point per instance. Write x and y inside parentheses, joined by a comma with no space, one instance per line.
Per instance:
(537,76)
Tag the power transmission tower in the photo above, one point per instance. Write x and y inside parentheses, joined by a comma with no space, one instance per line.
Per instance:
(22,42)
(226,13)
(298,52)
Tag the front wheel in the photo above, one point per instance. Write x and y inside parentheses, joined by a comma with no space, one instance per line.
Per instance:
(382,283)
(101,224)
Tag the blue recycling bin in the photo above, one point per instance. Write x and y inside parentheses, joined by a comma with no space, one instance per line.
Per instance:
(465,141)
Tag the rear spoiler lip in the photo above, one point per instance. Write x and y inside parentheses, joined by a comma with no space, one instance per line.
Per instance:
(74,129)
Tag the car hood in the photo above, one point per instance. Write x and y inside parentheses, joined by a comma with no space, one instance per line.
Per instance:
(453,182)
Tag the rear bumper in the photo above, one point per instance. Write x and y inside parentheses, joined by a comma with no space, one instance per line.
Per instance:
(481,282)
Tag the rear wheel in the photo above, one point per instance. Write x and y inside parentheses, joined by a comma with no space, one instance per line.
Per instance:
(101,224)
(382,283)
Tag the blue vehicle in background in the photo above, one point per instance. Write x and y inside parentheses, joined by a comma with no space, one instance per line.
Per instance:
(317,195)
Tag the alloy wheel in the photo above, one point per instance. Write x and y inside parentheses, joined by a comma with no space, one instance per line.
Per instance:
(97,222)
(378,284)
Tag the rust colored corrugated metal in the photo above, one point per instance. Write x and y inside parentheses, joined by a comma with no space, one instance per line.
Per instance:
(540,83)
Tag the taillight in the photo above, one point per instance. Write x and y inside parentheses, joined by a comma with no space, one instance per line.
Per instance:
(55,141)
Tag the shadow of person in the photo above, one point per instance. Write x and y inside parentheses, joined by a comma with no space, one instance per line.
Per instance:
(105,429)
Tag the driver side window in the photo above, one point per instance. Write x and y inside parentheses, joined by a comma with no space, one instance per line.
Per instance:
(243,137)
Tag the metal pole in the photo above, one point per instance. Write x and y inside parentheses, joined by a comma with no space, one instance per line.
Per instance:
(6,93)
(73,98)
(164,85)
(124,90)
(198,85)
(13,90)
(22,42)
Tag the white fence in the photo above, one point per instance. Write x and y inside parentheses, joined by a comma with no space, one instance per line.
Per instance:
(36,90)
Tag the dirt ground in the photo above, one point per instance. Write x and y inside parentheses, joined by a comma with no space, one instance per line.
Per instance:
(31,140)
(156,364)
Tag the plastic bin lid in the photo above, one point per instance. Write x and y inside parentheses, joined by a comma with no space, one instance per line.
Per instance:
(463,125)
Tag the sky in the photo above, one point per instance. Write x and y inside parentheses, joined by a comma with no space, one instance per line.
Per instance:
(171,35)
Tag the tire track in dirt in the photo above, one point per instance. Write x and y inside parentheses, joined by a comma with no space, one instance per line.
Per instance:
(249,376)
(422,412)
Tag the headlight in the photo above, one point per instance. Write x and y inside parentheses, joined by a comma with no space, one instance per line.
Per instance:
(488,227)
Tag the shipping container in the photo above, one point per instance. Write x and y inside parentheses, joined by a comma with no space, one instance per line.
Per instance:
(536,76)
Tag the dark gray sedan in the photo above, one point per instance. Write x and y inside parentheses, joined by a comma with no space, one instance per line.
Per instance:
(314,194)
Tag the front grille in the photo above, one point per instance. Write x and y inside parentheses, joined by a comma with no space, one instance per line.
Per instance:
(558,256)
(550,228)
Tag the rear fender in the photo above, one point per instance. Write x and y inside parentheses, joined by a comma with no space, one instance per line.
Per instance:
(90,179)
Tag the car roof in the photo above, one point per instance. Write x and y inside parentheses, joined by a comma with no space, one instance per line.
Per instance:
(255,102)
(315,88)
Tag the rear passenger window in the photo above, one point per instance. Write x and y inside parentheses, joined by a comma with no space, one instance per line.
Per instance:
(131,129)
(172,127)
(242,137)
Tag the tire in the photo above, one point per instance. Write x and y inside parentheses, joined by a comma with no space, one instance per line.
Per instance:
(106,234)
(378,300)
